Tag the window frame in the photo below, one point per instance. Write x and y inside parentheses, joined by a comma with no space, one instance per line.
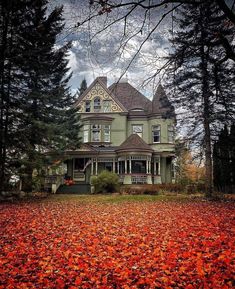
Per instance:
(170,132)
(98,130)
(97,104)
(156,130)
(138,133)
(107,101)
(87,105)
(106,132)
(86,130)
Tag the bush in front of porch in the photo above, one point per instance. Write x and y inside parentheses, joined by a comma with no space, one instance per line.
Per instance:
(105,182)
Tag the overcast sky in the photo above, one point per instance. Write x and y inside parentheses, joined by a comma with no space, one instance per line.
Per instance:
(101,55)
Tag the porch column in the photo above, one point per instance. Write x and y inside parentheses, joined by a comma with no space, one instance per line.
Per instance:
(159,167)
(154,167)
(130,164)
(147,162)
(96,166)
(92,166)
(113,165)
(118,170)
(125,166)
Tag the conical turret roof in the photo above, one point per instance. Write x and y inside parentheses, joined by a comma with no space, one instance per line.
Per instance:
(161,104)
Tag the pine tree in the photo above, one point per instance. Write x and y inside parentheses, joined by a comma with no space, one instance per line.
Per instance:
(39,87)
(194,76)
(12,19)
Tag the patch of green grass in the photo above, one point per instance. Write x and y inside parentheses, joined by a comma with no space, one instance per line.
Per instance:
(116,198)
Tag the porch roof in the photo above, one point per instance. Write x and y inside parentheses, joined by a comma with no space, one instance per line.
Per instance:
(134,143)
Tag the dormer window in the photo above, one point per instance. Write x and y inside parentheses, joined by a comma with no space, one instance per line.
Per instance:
(87,106)
(97,105)
(138,129)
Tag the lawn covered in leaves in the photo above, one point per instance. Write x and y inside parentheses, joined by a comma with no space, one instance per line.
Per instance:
(117,242)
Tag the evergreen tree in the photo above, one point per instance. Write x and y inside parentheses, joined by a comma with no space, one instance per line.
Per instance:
(12,19)
(40,118)
(195,72)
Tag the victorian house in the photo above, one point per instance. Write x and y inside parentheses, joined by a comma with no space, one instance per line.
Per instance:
(124,132)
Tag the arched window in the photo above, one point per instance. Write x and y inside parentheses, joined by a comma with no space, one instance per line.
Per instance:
(97,105)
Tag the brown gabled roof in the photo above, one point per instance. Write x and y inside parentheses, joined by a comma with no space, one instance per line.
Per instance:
(130,97)
(134,143)
(161,104)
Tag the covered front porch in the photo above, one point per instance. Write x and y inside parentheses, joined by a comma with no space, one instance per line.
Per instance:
(132,169)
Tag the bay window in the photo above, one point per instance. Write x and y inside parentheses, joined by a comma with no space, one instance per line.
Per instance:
(96,133)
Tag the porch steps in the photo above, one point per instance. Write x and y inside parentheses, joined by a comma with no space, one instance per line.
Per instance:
(74,189)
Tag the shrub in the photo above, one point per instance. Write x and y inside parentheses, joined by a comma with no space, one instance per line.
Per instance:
(140,189)
(106,182)
(154,189)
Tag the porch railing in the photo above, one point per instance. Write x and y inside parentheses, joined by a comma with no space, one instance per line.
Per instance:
(139,179)
(135,178)
(53,182)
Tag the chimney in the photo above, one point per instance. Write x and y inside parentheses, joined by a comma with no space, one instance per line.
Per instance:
(103,79)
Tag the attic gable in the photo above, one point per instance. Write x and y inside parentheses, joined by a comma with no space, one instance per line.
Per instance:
(99,98)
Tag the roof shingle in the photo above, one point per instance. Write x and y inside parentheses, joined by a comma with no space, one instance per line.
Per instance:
(134,143)
(130,97)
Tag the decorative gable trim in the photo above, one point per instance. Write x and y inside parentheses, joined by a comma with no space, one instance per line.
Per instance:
(98,88)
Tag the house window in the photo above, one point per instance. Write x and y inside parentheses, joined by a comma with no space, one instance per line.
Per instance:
(170,133)
(106,133)
(96,132)
(97,105)
(107,105)
(87,106)
(86,133)
(138,129)
(156,129)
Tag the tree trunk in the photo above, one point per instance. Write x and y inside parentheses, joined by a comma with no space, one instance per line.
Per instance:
(4,105)
(206,111)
